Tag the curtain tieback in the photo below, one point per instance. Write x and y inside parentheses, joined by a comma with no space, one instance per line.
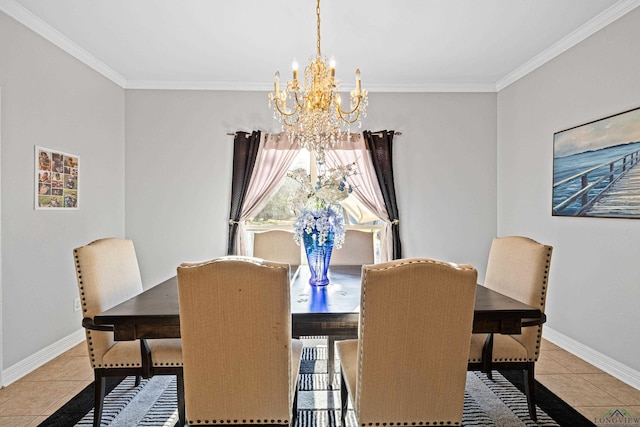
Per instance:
(232,222)
(395,222)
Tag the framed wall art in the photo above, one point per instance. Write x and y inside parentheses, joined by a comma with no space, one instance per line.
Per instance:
(57,180)
(595,168)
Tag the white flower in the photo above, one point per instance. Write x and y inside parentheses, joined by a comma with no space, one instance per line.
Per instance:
(330,189)
(317,207)
(319,223)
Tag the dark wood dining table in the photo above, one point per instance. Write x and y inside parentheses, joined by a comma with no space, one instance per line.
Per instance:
(332,310)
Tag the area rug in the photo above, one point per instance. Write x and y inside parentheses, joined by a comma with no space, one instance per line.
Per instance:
(498,402)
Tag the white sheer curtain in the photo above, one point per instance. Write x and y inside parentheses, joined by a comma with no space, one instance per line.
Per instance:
(365,185)
(275,155)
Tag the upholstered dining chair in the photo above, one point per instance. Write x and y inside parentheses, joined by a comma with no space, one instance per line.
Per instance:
(240,363)
(409,364)
(276,245)
(108,274)
(356,250)
(519,268)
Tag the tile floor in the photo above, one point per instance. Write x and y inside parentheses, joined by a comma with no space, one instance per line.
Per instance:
(30,400)
(583,386)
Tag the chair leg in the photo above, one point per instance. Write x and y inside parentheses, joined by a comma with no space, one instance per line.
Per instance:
(344,400)
(182,419)
(529,387)
(294,409)
(98,397)
(138,379)
(331,345)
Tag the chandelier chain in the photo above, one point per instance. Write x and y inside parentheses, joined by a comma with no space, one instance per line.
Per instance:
(318,15)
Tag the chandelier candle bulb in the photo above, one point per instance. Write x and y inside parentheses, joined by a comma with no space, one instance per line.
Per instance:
(294,66)
(332,65)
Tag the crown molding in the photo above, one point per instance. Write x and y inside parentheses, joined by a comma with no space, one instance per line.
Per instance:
(268,86)
(433,87)
(201,85)
(605,18)
(37,25)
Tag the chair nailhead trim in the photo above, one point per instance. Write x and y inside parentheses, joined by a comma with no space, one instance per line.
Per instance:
(239,422)
(84,308)
(412,423)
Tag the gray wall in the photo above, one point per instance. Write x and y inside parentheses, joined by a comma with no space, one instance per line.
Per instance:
(52,100)
(178,171)
(178,158)
(445,172)
(594,284)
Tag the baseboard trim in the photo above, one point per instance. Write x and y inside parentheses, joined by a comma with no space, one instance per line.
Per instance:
(31,363)
(599,360)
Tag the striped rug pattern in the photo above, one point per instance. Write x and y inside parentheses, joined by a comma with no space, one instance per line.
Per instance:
(152,403)
(487,402)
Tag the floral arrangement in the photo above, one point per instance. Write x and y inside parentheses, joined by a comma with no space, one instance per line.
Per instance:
(323,221)
(315,206)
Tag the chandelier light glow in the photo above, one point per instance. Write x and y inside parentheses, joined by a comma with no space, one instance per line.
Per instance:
(312,113)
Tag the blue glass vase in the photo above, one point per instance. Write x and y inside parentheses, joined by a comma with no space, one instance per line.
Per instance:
(318,256)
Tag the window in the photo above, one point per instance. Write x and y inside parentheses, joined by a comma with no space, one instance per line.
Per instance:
(278,215)
(277,211)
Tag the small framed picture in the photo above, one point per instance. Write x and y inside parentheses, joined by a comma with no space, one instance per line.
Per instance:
(57,180)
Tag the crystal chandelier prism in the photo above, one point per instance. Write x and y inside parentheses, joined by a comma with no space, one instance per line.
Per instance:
(312,113)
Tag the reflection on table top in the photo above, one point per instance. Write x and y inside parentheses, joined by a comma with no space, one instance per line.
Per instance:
(342,295)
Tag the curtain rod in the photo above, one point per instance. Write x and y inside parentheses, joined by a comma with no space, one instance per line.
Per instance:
(353,134)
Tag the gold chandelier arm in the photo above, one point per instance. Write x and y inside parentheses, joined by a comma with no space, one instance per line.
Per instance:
(342,113)
(284,113)
(299,106)
(286,123)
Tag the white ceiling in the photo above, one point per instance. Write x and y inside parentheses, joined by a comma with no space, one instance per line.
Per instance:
(399,45)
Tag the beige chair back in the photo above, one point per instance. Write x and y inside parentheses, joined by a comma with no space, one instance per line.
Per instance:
(519,268)
(108,274)
(276,245)
(235,324)
(356,250)
(416,318)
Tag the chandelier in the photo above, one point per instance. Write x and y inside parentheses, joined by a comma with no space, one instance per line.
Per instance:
(312,113)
